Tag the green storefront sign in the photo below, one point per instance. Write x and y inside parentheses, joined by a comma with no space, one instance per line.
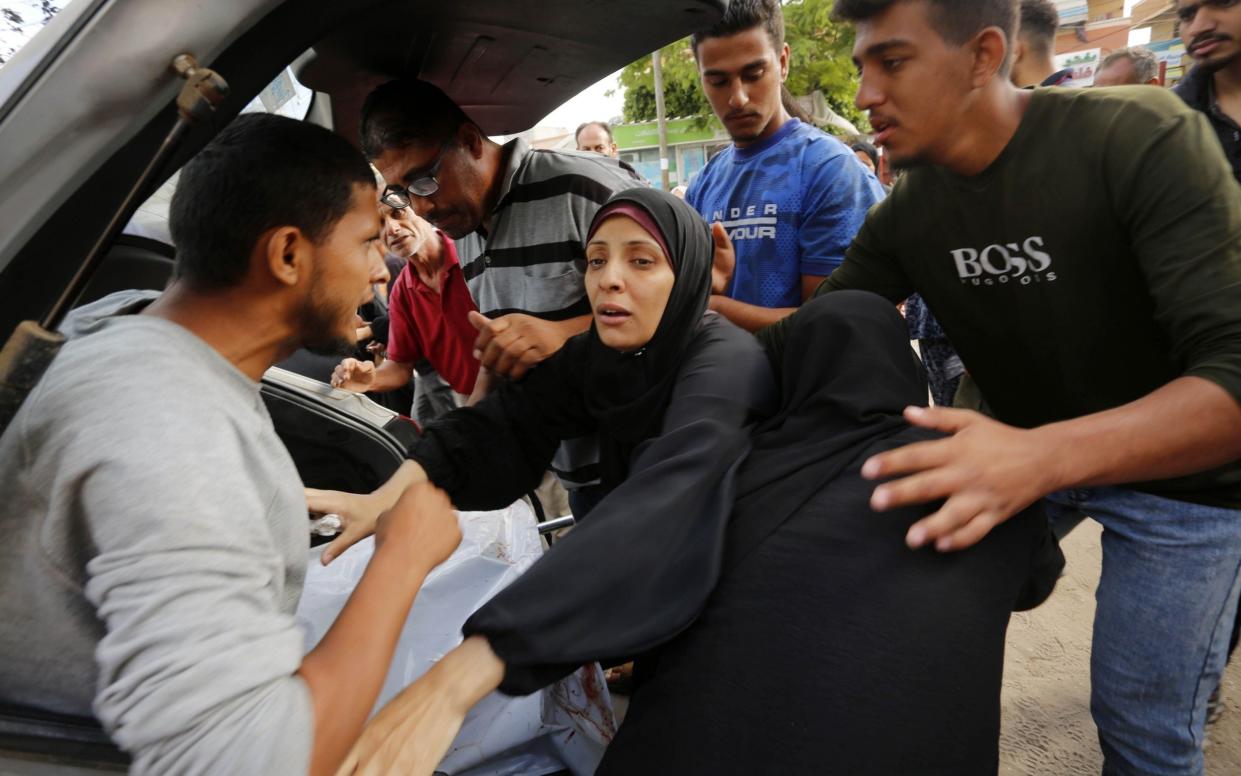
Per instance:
(646,134)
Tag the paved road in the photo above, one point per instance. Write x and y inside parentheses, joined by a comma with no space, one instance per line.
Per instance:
(1046,703)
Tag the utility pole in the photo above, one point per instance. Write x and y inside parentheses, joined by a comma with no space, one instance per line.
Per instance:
(660,119)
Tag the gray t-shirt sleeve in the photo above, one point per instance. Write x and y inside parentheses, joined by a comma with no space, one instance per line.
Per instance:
(197,669)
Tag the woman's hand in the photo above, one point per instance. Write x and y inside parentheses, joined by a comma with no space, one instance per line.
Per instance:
(359,512)
(413,732)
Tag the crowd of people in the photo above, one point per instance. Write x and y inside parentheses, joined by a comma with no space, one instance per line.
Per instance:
(811,566)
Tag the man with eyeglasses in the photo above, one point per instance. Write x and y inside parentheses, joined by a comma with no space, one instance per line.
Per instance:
(519,218)
(1211,30)
(429,324)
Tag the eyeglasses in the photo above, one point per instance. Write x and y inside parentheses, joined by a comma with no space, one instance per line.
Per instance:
(397,196)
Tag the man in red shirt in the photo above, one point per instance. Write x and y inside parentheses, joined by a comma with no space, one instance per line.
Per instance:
(428,310)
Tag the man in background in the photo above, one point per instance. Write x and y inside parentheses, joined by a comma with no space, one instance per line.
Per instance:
(1035,45)
(596,136)
(1128,66)
(789,196)
(429,321)
(1211,30)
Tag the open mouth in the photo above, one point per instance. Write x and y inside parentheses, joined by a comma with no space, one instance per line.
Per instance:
(612,314)
(883,130)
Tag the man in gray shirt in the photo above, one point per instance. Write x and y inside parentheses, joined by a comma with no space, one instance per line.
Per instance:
(157,528)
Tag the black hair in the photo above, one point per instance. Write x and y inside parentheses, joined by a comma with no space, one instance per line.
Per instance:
(956,21)
(601,124)
(745,15)
(859,144)
(1039,22)
(261,172)
(407,111)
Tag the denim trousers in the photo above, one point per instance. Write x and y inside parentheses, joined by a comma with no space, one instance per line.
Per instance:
(1166,602)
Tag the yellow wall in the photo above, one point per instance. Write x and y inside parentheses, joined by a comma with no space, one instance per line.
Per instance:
(1106,9)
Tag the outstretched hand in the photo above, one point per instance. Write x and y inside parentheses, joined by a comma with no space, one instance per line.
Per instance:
(353,375)
(987,472)
(413,732)
(358,512)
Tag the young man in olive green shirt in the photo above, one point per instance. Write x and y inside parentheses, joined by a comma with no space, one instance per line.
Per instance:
(1083,252)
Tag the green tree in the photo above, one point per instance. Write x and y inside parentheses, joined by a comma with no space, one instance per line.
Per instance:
(682,94)
(821,54)
(820,59)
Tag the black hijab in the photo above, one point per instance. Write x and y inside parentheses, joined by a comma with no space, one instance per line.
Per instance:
(628,392)
(848,374)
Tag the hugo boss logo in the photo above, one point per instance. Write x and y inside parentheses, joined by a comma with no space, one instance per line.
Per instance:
(1023,263)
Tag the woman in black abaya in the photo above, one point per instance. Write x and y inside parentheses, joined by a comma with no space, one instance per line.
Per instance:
(827,646)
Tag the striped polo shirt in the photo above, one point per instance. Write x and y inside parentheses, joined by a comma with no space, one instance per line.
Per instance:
(533,259)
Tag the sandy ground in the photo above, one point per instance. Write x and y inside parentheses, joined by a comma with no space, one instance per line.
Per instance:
(1046,704)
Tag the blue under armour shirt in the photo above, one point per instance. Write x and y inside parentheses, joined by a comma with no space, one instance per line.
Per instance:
(791,204)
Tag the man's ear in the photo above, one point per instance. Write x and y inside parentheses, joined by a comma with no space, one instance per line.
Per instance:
(990,47)
(784,62)
(1019,49)
(284,253)
(471,139)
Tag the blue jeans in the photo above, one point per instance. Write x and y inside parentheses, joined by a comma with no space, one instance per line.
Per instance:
(1165,607)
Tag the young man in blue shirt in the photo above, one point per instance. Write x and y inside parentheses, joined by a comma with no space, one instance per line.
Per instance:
(790,196)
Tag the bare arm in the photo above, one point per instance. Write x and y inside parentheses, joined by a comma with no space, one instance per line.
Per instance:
(346,670)
(753,317)
(391,375)
(809,285)
(413,732)
(360,512)
(364,377)
(749,316)
(1189,425)
(989,471)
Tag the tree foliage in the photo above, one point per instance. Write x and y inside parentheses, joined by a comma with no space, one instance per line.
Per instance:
(682,94)
(819,60)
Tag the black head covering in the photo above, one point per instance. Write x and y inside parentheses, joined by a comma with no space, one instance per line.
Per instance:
(628,392)
(848,374)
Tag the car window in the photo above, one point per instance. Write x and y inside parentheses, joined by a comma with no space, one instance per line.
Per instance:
(20,20)
(285,95)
